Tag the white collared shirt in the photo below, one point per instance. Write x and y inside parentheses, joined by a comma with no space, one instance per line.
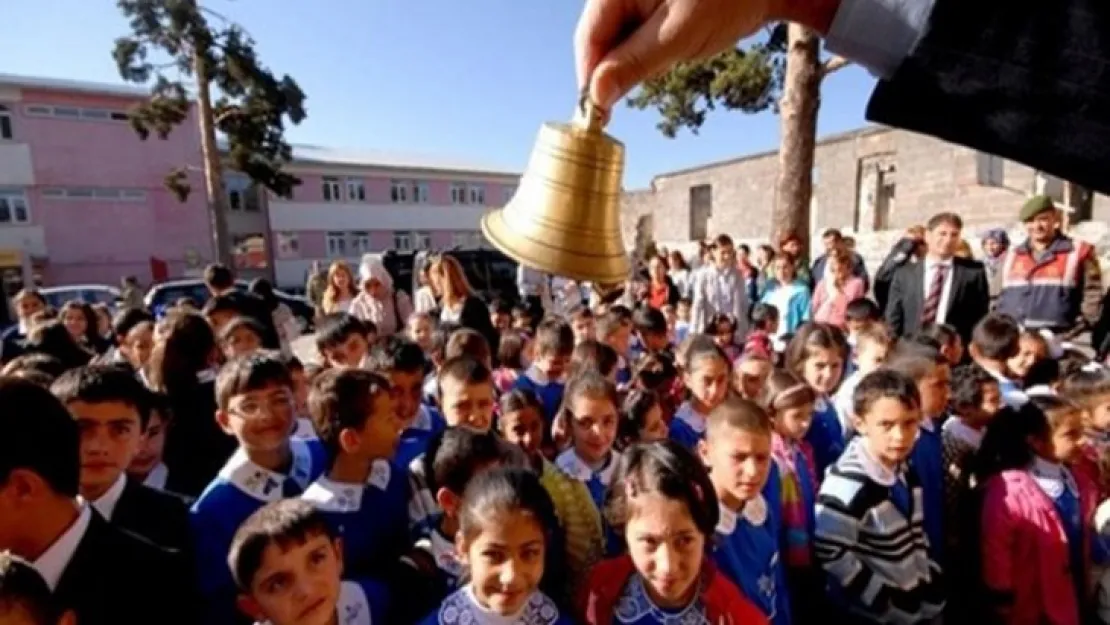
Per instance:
(157,477)
(263,484)
(106,503)
(53,562)
(963,432)
(754,511)
(351,608)
(945,290)
(1053,478)
(691,417)
(570,463)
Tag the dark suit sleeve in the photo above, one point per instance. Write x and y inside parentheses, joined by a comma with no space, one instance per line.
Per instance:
(1020,80)
(979,303)
(895,315)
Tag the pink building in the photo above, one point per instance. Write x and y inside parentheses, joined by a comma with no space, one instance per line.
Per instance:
(352,203)
(81,196)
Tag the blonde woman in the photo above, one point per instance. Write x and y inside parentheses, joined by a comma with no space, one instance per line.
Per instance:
(340,291)
(378,302)
(458,304)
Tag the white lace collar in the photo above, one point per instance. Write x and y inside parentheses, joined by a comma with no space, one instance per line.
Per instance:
(1053,478)
(875,470)
(691,417)
(635,604)
(352,607)
(963,432)
(754,512)
(569,463)
(328,495)
(928,424)
(263,484)
(443,552)
(539,377)
(462,608)
(821,404)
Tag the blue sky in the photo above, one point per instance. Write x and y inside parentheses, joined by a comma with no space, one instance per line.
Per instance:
(470,79)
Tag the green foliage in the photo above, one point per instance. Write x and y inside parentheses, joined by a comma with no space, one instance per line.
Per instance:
(748,79)
(251,105)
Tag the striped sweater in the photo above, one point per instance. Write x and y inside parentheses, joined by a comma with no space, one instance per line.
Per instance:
(876,558)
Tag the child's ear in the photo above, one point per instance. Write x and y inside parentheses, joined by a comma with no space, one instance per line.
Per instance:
(447,501)
(349,440)
(703,452)
(223,419)
(337,544)
(857,423)
(247,605)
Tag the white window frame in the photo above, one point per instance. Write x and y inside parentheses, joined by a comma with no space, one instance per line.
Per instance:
(14,197)
(95,194)
(402,241)
(399,191)
(73,113)
(336,244)
(477,241)
(476,194)
(419,192)
(356,190)
(458,193)
(359,243)
(460,239)
(421,240)
(288,244)
(331,189)
(6,133)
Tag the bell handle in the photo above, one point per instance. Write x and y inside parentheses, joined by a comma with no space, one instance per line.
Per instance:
(589,115)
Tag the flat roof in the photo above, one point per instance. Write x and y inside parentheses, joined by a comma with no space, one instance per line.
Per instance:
(65,84)
(308,154)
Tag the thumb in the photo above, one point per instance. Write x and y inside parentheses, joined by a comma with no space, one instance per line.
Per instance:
(649,50)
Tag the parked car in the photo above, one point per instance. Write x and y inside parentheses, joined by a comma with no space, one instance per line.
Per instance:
(57,296)
(165,294)
(490,273)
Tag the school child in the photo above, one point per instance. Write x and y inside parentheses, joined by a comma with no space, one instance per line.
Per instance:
(641,419)
(112,409)
(301,377)
(363,494)
(737,452)
(706,373)
(287,565)
(1033,523)
(657,372)
(723,330)
(507,512)
(25,598)
(510,361)
(682,319)
(665,509)
(242,336)
(591,355)
(861,313)
(590,413)
(468,342)
(523,320)
(553,345)
(651,328)
(254,398)
(437,355)
(501,315)
(581,323)
(343,340)
(750,373)
(420,330)
(402,362)
(816,354)
(975,400)
(949,341)
(994,342)
(868,535)
(1090,388)
(760,341)
(1032,348)
(521,423)
(872,346)
(133,329)
(147,467)
(615,330)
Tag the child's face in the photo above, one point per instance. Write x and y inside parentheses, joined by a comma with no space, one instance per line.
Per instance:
(738,463)
(552,364)
(654,341)
(111,434)
(1029,352)
(137,344)
(750,377)
(381,432)
(408,390)
(298,585)
(420,331)
(793,423)
(523,428)
(723,334)
(219,319)
(151,446)
(953,351)
(707,382)
(75,322)
(505,561)
(935,389)
(870,355)
(300,390)
(1063,444)
(992,401)
(621,338)
(349,353)
(889,430)
(522,322)
(666,548)
(855,325)
(501,320)
(822,370)
(682,311)
(593,427)
(583,328)
(1100,413)
(467,405)
(654,428)
(260,420)
(241,342)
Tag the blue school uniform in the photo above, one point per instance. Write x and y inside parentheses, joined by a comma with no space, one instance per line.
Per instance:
(371,518)
(687,427)
(927,460)
(415,438)
(624,372)
(825,435)
(597,482)
(360,603)
(550,392)
(1059,484)
(747,552)
(461,608)
(240,489)
(635,607)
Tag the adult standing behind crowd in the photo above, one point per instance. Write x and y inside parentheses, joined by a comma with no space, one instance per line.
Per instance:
(719,289)
(424,300)
(339,290)
(835,242)
(458,303)
(909,249)
(379,302)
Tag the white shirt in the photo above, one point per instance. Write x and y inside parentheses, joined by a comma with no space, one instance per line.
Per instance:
(945,290)
(157,477)
(53,562)
(106,503)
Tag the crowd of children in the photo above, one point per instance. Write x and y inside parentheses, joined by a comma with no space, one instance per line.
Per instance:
(605,466)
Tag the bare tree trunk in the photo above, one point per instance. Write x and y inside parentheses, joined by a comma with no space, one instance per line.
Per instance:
(801,99)
(213,169)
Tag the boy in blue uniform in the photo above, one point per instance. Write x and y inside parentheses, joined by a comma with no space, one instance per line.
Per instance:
(254,398)
(288,569)
(552,346)
(343,340)
(403,362)
(363,495)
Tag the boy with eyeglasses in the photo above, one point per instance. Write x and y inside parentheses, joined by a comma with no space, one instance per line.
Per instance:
(255,404)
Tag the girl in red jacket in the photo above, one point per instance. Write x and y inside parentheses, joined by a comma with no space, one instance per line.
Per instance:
(662,503)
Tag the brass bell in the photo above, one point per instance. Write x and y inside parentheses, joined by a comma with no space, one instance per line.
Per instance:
(564,218)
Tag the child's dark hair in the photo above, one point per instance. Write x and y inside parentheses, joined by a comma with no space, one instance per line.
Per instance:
(501,491)
(36,361)
(916,363)
(881,384)
(553,337)
(285,523)
(609,324)
(580,311)
(465,369)
(1043,372)
(395,353)
(240,323)
(714,327)
(343,399)
(455,455)
(591,355)
(292,362)
(967,386)
(250,373)
(440,337)
(467,342)
(764,316)
(128,318)
(648,320)
(501,306)
(637,405)
(654,371)
(702,351)
(22,588)
(922,339)
(101,384)
(785,390)
(811,337)
(1006,444)
(863,309)
(669,470)
(510,350)
(588,384)
(621,312)
(739,413)
(519,399)
(1088,384)
(996,337)
(334,329)
(942,333)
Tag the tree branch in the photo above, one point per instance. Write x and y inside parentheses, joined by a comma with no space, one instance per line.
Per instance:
(834,64)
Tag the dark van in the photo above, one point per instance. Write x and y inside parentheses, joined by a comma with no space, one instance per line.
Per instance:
(490,273)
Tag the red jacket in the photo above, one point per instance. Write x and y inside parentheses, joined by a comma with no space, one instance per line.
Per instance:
(724,605)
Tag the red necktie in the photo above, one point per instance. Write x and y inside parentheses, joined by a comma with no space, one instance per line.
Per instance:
(932,302)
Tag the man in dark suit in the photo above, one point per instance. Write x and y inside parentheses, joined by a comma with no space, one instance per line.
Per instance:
(942,288)
(107,576)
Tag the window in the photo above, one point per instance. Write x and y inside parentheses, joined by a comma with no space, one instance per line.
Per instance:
(102,194)
(477,241)
(74,113)
(419,192)
(460,239)
(330,189)
(360,243)
(13,207)
(477,194)
(5,123)
(336,244)
(399,191)
(67,112)
(288,244)
(402,241)
(990,170)
(421,240)
(458,193)
(507,194)
(700,211)
(356,190)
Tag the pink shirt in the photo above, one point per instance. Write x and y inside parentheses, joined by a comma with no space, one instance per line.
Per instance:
(833,309)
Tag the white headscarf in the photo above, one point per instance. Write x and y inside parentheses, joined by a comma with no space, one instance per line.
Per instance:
(372,268)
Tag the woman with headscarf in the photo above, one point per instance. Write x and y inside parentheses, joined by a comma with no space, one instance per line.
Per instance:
(995,244)
(378,302)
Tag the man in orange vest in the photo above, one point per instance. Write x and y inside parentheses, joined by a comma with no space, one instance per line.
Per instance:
(1050,281)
